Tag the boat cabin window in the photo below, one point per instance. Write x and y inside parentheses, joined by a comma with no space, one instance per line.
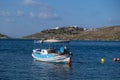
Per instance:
(51,51)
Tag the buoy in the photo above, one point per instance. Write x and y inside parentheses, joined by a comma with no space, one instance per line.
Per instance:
(116,59)
(102,60)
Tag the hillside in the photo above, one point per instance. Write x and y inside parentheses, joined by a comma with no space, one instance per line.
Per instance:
(2,36)
(60,33)
(76,33)
(105,33)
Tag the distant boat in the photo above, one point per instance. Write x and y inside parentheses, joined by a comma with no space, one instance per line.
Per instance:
(50,54)
(51,41)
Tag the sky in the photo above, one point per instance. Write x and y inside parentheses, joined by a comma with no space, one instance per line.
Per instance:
(25,17)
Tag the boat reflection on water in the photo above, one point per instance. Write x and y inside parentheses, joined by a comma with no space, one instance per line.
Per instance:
(55,64)
(52,71)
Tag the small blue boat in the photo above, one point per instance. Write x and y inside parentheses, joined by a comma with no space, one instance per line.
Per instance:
(52,55)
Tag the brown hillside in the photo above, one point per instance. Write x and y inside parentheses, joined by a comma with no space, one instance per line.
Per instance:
(104,33)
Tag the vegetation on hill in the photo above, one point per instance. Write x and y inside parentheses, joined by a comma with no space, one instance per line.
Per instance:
(60,33)
(77,33)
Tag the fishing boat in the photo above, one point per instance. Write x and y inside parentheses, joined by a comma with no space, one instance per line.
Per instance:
(59,54)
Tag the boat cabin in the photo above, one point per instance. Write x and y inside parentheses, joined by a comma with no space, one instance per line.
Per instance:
(47,51)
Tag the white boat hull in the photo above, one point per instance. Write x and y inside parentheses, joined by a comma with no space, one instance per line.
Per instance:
(56,58)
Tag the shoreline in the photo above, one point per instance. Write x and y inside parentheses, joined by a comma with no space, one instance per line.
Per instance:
(70,40)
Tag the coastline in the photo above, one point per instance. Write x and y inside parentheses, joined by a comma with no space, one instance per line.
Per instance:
(110,33)
(70,40)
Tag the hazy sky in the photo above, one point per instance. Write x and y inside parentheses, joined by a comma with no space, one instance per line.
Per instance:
(23,17)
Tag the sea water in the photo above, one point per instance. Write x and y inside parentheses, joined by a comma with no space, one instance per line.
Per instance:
(16,62)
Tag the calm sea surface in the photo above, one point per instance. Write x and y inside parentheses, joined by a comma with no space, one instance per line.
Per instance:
(16,62)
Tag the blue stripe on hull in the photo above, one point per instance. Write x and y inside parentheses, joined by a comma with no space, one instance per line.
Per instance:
(43,56)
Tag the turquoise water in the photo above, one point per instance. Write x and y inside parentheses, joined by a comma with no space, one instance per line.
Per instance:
(16,62)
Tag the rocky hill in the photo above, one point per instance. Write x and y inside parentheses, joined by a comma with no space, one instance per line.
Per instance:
(2,36)
(105,33)
(77,33)
(60,33)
